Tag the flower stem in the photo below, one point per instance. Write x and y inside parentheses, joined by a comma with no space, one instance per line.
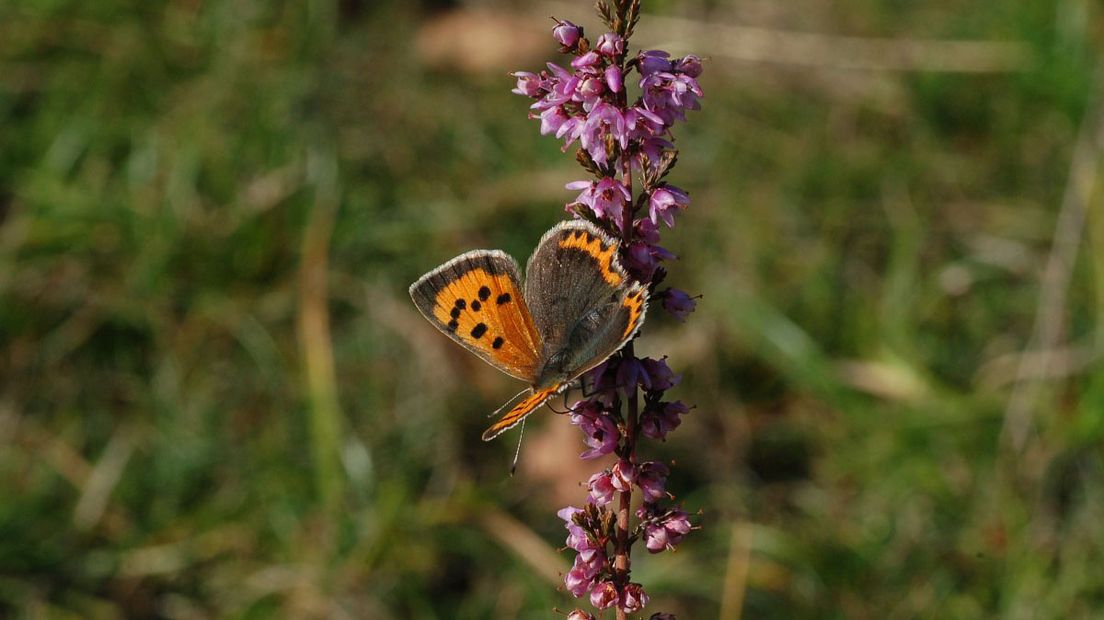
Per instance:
(621,560)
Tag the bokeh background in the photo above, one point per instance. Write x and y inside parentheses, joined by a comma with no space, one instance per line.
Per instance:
(217,400)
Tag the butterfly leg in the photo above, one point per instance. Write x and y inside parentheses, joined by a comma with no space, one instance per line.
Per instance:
(567,409)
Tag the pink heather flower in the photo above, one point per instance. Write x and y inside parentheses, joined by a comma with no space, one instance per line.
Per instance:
(647,230)
(591,89)
(628,371)
(667,533)
(576,536)
(652,480)
(690,65)
(561,86)
(566,34)
(661,418)
(552,119)
(678,303)
(655,538)
(640,261)
(669,95)
(577,582)
(614,79)
(664,201)
(568,514)
(601,488)
(633,598)
(579,614)
(599,429)
(590,562)
(610,44)
(588,59)
(604,119)
(605,198)
(571,129)
(623,475)
(658,374)
(603,381)
(677,524)
(642,124)
(652,61)
(604,595)
(528,84)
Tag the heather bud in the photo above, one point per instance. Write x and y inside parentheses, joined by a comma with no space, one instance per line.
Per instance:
(610,44)
(599,430)
(601,488)
(652,480)
(655,537)
(659,374)
(679,303)
(623,475)
(567,34)
(588,59)
(614,78)
(528,84)
(664,202)
(690,65)
(579,614)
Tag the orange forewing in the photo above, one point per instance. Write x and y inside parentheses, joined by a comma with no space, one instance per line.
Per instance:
(486,313)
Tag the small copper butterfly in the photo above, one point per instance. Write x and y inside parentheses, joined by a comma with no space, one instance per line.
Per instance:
(579,306)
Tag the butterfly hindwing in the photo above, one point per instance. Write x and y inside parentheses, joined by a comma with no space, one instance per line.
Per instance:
(514,416)
(583,302)
(477,301)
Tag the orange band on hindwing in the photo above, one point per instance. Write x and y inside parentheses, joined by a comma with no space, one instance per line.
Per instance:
(634,302)
(520,410)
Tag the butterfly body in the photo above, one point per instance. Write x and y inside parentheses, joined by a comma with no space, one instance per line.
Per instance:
(579,306)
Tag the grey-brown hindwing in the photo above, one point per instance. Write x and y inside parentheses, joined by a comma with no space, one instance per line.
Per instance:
(582,301)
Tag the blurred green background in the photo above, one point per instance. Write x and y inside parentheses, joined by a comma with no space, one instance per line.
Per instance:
(217,400)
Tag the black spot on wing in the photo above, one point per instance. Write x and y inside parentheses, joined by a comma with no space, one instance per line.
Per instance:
(461,304)
(484,293)
(455,313)
(478,331)
(502,299)
(498,342)
(475,305)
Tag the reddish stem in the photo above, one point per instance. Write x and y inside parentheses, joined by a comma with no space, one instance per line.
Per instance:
(621,560)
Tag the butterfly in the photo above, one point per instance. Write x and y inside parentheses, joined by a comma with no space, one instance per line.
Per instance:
(578,307)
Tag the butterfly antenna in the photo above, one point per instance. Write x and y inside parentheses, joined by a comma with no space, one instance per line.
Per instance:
(521,433)
(507,403)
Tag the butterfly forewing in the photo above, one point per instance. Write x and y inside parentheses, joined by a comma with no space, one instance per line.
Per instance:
(477,301)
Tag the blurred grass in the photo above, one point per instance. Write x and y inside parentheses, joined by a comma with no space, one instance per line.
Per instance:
(217,401)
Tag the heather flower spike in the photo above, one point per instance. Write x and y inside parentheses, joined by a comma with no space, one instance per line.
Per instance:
(618,107)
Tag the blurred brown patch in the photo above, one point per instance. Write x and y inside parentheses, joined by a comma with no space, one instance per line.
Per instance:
(477,41)
(551,457)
